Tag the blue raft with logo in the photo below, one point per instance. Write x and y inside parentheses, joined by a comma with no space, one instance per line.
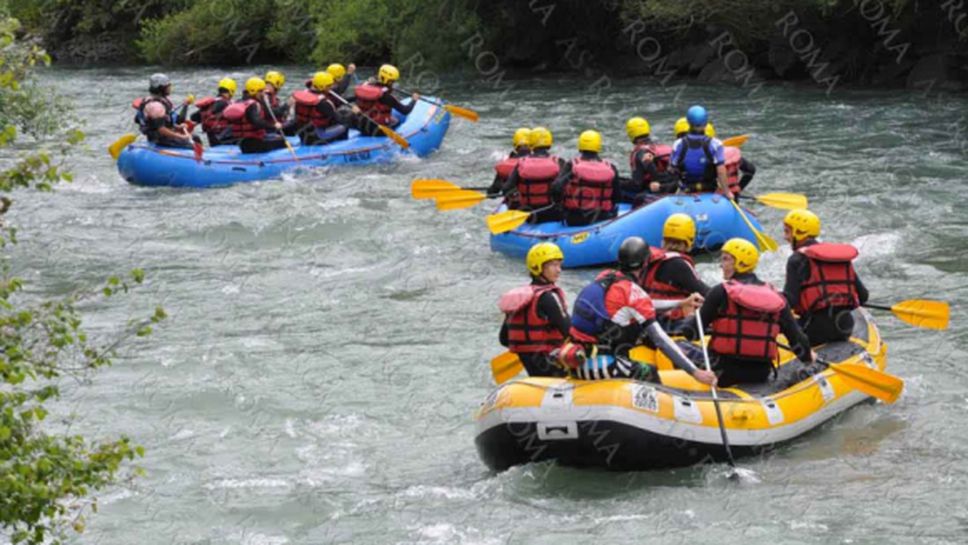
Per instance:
(717,221)
(146,164)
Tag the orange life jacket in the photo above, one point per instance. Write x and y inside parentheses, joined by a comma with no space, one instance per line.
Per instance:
(239,122)
(306,111)
(368,98)
(590,187)
(832,281)
(661,290)
(661,153)
(535,174)
(749,327)
(527,331)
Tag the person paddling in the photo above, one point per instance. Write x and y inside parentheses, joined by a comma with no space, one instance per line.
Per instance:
(649,164)
(587,188)
(530,181)
(251,123)
(536,315)
(743,316)
(210,110)
(698,159)
(821,283)
(315,121)
(502,170)
(156,116)
(375,100)
(612,315)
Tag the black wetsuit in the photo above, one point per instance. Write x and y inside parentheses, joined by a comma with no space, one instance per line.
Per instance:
(748,170)
(538,364)
(551,214)
(735,370)
(826,325)
(584,217)
(273,139)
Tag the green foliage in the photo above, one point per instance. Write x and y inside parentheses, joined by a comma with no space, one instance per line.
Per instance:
(45,478)
(212,31)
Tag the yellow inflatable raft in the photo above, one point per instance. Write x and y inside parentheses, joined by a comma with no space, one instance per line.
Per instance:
(630,425)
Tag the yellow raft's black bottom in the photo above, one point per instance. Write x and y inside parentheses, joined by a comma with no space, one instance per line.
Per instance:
(627,425)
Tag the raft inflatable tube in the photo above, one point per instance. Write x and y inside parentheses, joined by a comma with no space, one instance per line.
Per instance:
(147,164)
(623,425)
(716,222)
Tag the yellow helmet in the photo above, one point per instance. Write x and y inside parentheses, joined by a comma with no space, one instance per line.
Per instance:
(743,251)
(804,224)
(590,141)
(254,85)
(636,127)
(540,138)
(522,137)
(680,227)
(682,126)
(541,253)
(322,81)
(229,85)
(276,79)
(710,130)
(336,70)
(388,74)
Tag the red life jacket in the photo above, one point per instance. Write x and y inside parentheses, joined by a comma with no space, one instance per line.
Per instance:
(751,323)
(239,122)
(212,123)
(832,281)
(368,98)
(506,167)
(733,157)
(590,187)
(528,332)
(535,174)
(306,111)
(664,291)
(661,153)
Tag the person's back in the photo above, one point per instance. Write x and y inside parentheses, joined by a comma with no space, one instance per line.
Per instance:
(648,164)
(504,167)
(821,283)
(587,187)
(744,315)
(210,113)
(699,159)
(532,178)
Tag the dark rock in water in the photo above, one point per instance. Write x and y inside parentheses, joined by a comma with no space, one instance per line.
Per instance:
(715,71)
(700,57)
(781,58)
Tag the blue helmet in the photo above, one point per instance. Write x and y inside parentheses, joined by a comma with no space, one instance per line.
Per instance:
(697,116)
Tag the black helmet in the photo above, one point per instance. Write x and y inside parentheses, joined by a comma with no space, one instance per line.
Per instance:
(633,254)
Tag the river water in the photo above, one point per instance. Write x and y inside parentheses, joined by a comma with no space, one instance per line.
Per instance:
(329,336)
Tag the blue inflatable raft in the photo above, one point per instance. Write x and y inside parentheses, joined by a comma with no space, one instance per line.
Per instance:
(716,222)
(147,164)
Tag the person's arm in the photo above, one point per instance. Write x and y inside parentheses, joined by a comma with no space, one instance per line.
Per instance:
(748,169)
(549,307)
(168,132)
(794,279)
(342,85)
(395,103)
(502,335)
(254,116)
(678,273)
(721,177)
(196,116)
(798,339)
(715,300)
(862,293)
(511,184)
(558,186)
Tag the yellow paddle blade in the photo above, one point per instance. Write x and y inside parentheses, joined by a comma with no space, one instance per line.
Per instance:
(736,141)
(785,201)
(764,241)
(505,367)
(502,222)
(642,354)
(428,188)
(395,136)
(466,113)
(923,313)
(115,148)
(872,382)
(456,200)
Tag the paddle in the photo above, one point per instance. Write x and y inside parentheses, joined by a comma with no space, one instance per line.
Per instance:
(128,138)
(456,200)
(872,382)
(502,222)
(734,474)
(506,366)
(466,113)
(276,121)
(784,201)
(919,312)
(765,242)
(736,141)
(429,188)
(391,134)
